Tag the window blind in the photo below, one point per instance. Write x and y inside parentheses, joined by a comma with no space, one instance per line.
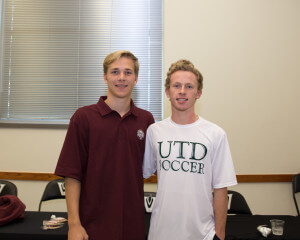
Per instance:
(52,53)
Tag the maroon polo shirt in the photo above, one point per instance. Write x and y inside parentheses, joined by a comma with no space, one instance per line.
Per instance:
(104,151)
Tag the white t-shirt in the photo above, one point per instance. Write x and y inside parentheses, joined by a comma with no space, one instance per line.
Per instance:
(191,160)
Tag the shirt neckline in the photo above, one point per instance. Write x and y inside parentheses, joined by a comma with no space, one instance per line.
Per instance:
(185,125)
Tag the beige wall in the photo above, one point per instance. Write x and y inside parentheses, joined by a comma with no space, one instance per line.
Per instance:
(248,52)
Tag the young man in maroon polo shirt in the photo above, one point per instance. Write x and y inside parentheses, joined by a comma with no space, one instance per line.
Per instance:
(102,156)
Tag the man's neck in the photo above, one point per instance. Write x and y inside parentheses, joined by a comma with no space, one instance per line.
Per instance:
(184,117)
(120,105)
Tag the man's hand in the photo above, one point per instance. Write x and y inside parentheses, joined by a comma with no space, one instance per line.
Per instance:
(77,232)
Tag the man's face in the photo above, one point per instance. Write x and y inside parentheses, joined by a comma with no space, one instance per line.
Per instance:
(120,78)
(183,91)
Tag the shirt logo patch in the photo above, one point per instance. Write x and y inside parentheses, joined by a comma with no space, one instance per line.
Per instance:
(140,134)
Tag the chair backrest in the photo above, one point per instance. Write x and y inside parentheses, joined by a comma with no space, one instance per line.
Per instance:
(8,188)
(55,189)
(296,189)
(237,204)
(149,199)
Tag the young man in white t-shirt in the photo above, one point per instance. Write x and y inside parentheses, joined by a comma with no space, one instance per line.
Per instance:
(192,159)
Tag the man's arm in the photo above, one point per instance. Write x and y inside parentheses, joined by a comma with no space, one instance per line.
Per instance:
(76,231)
(220,211)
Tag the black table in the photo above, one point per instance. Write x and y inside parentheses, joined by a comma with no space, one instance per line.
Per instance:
(30,228)
(238,227)
(242,227)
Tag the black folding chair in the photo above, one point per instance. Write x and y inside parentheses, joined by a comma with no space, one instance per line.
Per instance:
(149,200)
(8,188)
(296,190)
(237,204)
(55,189)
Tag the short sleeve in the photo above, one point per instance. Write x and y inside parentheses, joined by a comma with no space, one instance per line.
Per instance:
(149,161)
(222,164)
(74,154)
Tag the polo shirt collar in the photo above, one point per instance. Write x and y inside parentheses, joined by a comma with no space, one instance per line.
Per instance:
(104,109)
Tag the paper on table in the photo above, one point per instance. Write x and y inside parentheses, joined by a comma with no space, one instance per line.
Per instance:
(265,231)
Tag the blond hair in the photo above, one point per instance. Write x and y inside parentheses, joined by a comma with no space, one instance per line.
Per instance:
(184,65)
(117,55)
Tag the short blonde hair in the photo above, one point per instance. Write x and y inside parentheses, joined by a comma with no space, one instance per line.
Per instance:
(184,65)
(117,55)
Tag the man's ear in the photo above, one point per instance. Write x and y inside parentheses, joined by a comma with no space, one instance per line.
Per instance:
(104,77)
(167,92)
(199,94)
(136,80)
